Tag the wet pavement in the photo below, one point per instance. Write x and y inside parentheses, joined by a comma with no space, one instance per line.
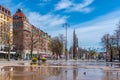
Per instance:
(57,73)
(62,71)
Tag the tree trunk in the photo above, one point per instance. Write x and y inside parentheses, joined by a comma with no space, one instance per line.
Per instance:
(31,55)
(8,56)
(111,55)
(66,55)
(31,52)
(119,54)
(9,49)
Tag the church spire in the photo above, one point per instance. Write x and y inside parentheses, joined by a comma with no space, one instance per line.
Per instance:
(75,44)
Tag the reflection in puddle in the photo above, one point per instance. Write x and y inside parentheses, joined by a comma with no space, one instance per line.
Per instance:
(56,73)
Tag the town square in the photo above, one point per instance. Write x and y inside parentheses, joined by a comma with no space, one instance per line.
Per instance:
(59,40)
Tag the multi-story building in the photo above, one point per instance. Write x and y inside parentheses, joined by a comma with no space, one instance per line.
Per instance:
(5,27)
(28,38)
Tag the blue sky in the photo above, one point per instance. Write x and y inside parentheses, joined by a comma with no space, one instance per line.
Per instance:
(91,18)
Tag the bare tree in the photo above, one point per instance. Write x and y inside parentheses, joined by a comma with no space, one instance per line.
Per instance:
(92,53)
(112,43)
(117,34)
(8,39)
(105,41)
(109,43)
(112,47)
(56,46)
(35,38)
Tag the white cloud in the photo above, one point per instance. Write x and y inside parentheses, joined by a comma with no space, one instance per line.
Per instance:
(85,3)
(63,4)
(82,7)
(46,21)
(70,6)
(91,32)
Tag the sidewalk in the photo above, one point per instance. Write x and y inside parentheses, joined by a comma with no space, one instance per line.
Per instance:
(14,63)
(77,63)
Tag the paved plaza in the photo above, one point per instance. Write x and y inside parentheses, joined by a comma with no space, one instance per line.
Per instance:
(59,70)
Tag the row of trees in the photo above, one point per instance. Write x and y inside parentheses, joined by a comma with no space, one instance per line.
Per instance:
(78,53)
(57,47)
(112,44)
(83,53)
(56,44)
(7,38)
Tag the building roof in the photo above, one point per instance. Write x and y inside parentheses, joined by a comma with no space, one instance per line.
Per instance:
(19,13)
(5,10)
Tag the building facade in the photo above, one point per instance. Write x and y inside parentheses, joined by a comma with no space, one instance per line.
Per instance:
(27,38)
(6,32)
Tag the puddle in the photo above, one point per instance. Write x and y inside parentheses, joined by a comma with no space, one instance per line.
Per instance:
(56,73)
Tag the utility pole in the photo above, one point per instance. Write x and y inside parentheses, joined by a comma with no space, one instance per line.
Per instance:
(66,25)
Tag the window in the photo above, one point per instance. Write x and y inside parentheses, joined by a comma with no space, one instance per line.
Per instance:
(6,11)
(27,35)
(16,17)
(20,23)
(2,9)
(5,17)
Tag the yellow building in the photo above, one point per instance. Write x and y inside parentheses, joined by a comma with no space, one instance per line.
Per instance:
(5,27)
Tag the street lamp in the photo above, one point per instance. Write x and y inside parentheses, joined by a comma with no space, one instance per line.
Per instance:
(66,25)
(77,53)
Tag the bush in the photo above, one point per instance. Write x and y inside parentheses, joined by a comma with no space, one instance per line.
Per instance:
(75,58)
(44,59)
(34,59)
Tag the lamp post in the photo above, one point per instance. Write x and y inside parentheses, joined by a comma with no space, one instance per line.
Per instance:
(66,25)
(77,53)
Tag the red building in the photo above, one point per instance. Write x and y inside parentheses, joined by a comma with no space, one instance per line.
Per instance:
(28,38)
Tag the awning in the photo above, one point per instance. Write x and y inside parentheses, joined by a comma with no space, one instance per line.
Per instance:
(4,52)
